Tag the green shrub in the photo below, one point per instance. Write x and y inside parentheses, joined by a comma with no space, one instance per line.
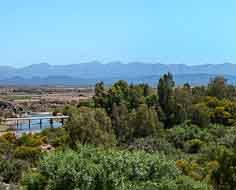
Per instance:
(152,144)
(8,138)
(11,170)
(31,140)
(55,136)
(27,153)
(180,134)
(193,146)
(90,168)
(90,126)
(34,181)
(200,115)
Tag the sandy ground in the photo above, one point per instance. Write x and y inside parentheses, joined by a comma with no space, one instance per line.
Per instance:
(55,97)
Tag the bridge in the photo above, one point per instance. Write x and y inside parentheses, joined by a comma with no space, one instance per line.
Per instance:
(41,118)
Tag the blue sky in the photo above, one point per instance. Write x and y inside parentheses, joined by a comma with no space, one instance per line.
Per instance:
(74,31)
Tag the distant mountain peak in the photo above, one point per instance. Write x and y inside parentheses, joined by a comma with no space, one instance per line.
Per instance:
(43,64)
(116,70)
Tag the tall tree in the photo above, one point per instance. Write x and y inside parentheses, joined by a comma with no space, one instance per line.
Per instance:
(218,87)
(90,126)
(165,95)
(143,122)
(119,117)
(100,99)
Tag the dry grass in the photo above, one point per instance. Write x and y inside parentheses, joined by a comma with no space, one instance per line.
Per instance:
(3,128)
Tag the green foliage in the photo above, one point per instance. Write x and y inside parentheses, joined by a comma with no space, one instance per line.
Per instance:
(30,140)
(200,115)
(166,98)
(55,136)
(99,97)
(91,168)
(190,168)
(219,88)
(34,181)
(152,145)
(224,177)
(179,135)
(171,138)
(193,146)
(17,155)
(123,93)
(11,170)
(184,98)
(27,153)
(151,100)
(139,123)
(86,103)
(90,126)
(120,117)
(143,122)
(8,138)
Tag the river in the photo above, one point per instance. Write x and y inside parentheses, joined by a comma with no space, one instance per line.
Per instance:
(35,126)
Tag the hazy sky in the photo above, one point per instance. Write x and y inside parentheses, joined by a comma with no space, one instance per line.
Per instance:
(74,31)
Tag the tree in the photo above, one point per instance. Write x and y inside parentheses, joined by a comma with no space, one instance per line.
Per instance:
(90,126)
(120,117)
(165,95)
(143,122)
(151,100)
(118,93)
(136,96)
(11,170)
(200,115)
(218,87)
(187,86)
(100,95)
(183,96)
(146,90)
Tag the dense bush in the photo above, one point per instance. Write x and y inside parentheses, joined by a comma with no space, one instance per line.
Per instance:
(27,153)
(193,146)
(31,140)
(180,134)
(34,181)
(55,136)
(11,170)
(88,126)
(151,145)
(91,168)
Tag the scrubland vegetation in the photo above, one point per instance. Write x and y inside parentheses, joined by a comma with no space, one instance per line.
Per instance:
(132,137)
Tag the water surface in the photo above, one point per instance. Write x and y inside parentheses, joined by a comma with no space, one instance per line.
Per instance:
(35,127)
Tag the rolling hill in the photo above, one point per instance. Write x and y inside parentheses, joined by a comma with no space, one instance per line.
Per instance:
(89,73)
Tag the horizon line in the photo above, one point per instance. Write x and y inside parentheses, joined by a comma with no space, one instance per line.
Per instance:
(116,62)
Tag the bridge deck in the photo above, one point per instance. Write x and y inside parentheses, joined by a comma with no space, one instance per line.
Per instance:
(36,118)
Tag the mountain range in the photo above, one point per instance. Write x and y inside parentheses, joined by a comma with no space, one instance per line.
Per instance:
(136,72)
